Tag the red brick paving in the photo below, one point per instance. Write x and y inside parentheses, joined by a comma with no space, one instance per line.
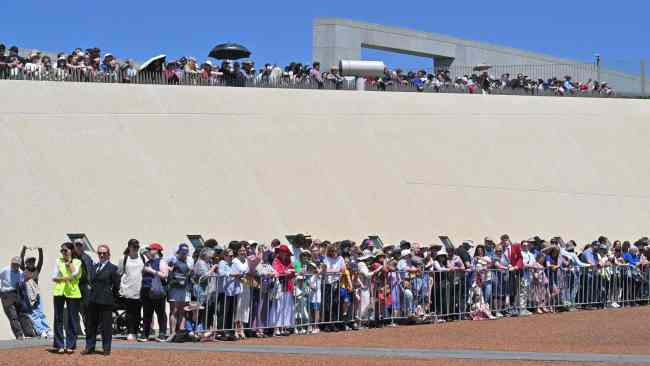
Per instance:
(38,357)
(602,331)
(622,331)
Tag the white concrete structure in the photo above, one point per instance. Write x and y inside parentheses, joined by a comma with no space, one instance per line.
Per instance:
(336,39)
(159,162)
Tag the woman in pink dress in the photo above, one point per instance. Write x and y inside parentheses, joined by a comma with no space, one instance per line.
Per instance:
(282,300)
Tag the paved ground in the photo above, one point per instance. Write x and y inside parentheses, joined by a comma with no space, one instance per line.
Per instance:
(588,337)
(148,357)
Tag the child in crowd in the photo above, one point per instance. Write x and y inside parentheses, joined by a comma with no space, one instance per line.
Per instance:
(314,283)
(479,309)
(301,294)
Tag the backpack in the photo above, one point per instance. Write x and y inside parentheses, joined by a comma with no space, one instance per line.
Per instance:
(126,257)
(157,290)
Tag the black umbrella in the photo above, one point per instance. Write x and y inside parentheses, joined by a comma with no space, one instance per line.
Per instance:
(229,51)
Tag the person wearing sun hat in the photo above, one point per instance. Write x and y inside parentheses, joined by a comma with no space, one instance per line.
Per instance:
(364,284)
(153,301)
(282,308)
(380,282)
(575,267)
(406,271)
(439,292)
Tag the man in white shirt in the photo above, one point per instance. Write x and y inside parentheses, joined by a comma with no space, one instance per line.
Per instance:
(573,272)
(10,278)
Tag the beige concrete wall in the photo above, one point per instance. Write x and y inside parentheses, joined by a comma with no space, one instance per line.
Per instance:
(158,162)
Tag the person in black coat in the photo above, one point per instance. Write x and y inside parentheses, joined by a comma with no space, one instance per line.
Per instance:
(87,273)
(104,286)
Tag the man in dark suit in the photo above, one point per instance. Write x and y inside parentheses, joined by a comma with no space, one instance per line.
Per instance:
(104,285)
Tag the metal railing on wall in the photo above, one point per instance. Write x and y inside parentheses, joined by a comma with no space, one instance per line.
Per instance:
(579,72)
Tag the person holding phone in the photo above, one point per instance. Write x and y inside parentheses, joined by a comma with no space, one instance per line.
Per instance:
(67,296)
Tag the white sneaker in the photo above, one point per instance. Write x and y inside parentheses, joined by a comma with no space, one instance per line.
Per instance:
(615,305)
(131,337)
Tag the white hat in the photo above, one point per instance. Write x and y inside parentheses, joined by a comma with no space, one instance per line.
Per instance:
(367,254)
(442,251)
(470,243)
(405,252)
(107,55)
(208,62)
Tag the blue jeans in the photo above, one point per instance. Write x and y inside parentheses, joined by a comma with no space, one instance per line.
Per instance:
(487,293)
(39,321)
(409,307)
(71,308)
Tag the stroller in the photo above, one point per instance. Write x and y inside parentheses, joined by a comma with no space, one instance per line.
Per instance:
(120,327)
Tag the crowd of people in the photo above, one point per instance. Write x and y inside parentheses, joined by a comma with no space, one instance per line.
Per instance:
(250,289)
(91,65)
(484,83)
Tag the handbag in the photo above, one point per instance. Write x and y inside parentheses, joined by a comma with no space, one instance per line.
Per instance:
(177,280)
(157,290)
(276,291)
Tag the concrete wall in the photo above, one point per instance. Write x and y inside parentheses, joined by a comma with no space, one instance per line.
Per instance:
(159,162)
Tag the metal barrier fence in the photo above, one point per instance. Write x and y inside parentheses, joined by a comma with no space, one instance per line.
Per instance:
(131,76)
(310,302)
(578,72)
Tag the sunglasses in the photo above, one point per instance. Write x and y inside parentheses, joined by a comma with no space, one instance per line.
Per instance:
(64,251)
(102,253)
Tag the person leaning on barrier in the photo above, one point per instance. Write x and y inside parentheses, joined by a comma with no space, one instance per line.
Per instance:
(282,308)
(242,310)
(203,268)
(104,286)
(11,278)
(501,284)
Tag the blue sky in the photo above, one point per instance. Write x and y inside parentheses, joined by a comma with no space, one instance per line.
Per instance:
(281,31)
